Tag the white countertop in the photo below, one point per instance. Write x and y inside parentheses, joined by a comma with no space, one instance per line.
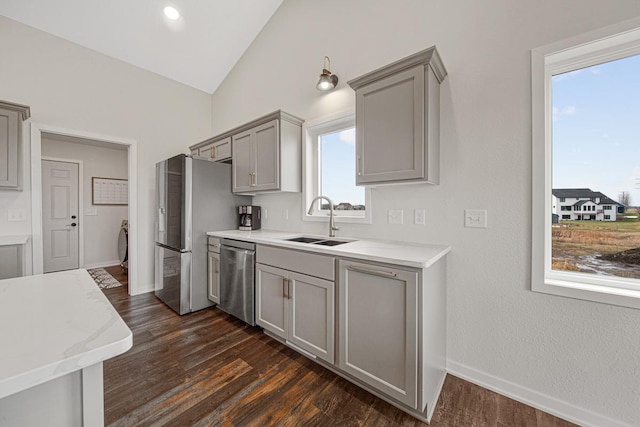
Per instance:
(399,253)
(14,240)
(55,324)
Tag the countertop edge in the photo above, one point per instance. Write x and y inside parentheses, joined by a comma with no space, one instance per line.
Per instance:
(440,250)
(41,375)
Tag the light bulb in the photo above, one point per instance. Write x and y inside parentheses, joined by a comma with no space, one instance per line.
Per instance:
(171,13)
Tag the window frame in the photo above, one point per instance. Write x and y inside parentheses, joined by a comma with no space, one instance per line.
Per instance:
(311,129)
(603,45)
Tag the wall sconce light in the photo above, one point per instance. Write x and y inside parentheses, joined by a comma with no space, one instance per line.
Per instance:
(327,80)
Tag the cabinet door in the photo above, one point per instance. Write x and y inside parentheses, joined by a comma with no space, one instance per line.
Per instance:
(390,128)
(222,149)
(9,135)
(271,302)
(311,322)
(213,277)
(242,162)
(195,152)
(206,152)
(267,156)
(378,327)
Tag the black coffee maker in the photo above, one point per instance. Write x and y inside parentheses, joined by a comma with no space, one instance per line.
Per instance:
(250,217)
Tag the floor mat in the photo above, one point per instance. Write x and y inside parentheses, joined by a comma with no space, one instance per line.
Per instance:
(103,279)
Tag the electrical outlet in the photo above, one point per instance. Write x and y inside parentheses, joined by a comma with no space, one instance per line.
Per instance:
(418,217)
(395,216)
(475,218)
(90,212)
(16,215)
(285,213)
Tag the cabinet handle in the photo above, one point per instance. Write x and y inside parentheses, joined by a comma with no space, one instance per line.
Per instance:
(288,288)
(358,166)
(369,271)
(217,266)
(213,152)
(284,288)
(250,179)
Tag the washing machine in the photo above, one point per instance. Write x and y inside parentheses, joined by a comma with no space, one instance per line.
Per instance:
(123,246)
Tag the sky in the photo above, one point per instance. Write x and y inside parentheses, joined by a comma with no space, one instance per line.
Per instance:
(596,128)
(338,162)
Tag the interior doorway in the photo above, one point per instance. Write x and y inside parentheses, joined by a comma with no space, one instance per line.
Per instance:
(60,211)
(87,211)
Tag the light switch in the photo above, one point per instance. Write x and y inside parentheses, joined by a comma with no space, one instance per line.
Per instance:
(90,212)
(418,217)
(475,218)
(16,215)
(395,216)
(285,213)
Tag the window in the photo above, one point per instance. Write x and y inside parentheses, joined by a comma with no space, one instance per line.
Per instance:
(607,207)
(585,104)
(329,152)
(565,208)
(566,216)
(562,199)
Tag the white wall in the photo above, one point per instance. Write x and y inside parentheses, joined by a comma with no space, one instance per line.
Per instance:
(100,231)
(72,87)
(558,351)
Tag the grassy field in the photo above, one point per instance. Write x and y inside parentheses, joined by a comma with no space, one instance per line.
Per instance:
(572,241)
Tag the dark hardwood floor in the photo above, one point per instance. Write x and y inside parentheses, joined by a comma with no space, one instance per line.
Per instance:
(118,274)
(208,368)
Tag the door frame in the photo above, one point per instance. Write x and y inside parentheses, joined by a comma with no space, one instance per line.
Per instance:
(37,129)
(80,203)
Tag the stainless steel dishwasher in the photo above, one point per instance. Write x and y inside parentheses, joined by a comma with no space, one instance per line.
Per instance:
(237,277)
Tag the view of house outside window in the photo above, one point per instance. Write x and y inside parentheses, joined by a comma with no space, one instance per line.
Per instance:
(596,169)
(338,171)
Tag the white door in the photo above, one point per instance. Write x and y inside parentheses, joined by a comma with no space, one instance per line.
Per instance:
(60,215)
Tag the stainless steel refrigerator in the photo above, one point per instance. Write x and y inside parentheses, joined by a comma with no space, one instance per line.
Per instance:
(193,197)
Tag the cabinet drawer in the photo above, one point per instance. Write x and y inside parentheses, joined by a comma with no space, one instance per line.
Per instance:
(321,266)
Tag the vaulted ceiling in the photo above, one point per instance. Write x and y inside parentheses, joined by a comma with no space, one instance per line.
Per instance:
(198,49)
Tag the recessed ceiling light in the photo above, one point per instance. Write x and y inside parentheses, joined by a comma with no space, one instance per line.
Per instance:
(171,13)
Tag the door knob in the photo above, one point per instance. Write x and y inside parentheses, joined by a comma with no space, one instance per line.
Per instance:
(73,224)
(73,217)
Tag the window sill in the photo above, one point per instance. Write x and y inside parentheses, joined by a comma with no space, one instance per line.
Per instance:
(338,219)
(568,285)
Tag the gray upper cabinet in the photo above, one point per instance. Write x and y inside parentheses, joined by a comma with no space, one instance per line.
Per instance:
(216,149)
(398,121)
(266,155)
(11,118)
(256,159)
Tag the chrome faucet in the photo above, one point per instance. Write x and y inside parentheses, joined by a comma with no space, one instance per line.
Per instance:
(332,227)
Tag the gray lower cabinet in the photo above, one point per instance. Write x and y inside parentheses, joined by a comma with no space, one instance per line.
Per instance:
(297,308)
(213,269)
(11,118)
(213,277)
(378,318)
(397,121)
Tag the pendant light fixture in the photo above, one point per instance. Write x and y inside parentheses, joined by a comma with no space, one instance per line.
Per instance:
(327,80)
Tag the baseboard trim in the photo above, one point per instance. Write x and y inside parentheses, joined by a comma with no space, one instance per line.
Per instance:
(101,264)
(559,408)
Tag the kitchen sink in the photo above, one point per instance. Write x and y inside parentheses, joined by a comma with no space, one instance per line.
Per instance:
(318,241)
(330,242)
(304,239)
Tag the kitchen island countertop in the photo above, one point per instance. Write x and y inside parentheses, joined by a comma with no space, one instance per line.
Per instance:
(52,325)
